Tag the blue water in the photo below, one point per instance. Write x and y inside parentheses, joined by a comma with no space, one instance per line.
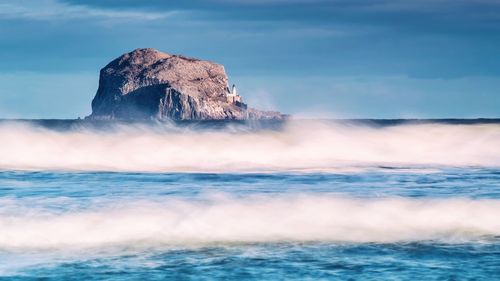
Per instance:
(298,200)
(33,202)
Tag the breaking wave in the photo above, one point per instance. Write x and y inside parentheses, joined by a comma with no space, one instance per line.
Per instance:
(221,219)
(312,145)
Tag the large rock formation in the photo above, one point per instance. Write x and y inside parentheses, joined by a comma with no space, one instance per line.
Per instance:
(148,84)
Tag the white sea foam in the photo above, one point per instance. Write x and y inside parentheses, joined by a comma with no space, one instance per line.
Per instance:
(255,219)
(303,145)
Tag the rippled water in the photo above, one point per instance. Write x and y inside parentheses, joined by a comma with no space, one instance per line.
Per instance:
(317,201)
(96,225)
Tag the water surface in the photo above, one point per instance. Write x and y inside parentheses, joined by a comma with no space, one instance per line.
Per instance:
(326,201)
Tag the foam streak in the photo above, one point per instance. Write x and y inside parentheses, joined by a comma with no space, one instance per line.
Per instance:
(300,146)
(254,219)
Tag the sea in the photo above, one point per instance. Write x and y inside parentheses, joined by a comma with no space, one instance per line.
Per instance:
(289,200)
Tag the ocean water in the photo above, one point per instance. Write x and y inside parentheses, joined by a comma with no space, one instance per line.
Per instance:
(304,200)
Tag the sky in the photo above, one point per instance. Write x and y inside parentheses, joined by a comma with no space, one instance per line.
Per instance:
(309,58)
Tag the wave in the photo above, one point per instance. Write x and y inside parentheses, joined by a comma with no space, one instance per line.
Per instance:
(312,145)
(222,219)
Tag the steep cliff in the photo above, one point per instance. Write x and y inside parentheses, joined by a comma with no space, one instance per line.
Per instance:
(148,84)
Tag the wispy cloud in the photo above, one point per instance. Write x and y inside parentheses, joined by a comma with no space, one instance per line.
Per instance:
(270,2)
(53,10)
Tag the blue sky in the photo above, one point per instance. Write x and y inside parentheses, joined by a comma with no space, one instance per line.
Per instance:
(312,58)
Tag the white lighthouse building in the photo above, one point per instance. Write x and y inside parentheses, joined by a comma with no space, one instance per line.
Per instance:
(233,96)
(233,90)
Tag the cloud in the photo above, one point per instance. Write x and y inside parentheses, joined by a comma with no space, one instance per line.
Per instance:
(270,2)
(53,10)
(403,14)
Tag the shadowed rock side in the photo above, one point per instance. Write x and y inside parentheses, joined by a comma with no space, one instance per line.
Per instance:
(148,84)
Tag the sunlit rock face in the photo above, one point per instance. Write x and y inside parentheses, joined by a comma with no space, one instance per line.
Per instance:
(148,84)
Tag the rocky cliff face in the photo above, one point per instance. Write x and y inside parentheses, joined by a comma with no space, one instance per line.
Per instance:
(148,84)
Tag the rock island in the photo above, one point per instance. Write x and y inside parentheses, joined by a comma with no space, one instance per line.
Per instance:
(149,84)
